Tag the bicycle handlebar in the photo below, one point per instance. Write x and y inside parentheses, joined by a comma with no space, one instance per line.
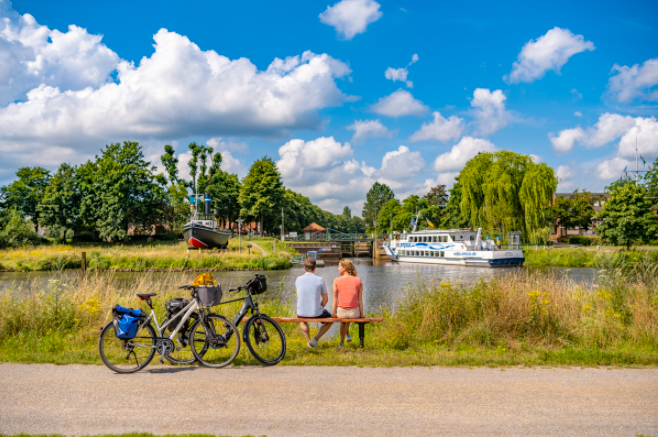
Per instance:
(185,287)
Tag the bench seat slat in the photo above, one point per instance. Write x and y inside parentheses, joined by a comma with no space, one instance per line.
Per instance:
(328,319)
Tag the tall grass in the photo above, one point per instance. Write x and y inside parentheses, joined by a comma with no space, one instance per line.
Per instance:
(521,318)
(528,310)
(138,259)
(567,257)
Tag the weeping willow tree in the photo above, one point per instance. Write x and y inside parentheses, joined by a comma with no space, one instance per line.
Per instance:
(506,191)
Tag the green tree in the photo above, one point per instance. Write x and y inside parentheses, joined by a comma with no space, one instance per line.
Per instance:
(563,210)
(452,218)
(120,188)
(386,215)
(60,208)
(261,194)
(505,191)
(437,196)
(583,209)
(627,216)
(347,212)
(650,181)
(225,195)
(202,180)
(377,197)
(18,232)
(26,193)
(357,225)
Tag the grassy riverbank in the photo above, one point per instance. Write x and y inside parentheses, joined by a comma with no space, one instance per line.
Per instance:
(139,258)
(587,257)
(518,319)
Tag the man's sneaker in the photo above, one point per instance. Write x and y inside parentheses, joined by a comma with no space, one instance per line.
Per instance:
(348,337)
(340,345)
(313,343)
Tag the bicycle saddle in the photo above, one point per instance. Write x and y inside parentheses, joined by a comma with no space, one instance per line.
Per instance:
(146,295)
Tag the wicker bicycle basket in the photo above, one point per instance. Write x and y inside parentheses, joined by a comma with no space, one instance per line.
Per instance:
(209,295)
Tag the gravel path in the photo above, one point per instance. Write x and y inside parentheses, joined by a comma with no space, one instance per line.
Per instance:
(256,246)
(329,401)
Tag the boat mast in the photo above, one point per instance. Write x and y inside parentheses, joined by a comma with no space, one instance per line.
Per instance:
(416,222)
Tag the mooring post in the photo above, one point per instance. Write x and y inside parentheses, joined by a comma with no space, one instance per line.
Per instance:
(83,264)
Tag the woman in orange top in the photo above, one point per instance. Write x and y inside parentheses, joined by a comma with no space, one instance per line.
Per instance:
(348,297)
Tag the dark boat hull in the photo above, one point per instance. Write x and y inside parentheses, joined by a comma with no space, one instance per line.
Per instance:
(203,237)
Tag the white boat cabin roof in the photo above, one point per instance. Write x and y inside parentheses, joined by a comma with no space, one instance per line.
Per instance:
(455,234)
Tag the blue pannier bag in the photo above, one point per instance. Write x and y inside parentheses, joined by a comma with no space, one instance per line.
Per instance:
(127,321)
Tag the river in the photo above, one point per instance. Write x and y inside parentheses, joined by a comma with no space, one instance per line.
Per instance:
(384,281)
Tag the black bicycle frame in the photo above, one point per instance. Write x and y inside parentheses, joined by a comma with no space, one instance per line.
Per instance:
(247,305)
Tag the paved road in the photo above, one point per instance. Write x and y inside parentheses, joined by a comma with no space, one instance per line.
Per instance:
(329,401)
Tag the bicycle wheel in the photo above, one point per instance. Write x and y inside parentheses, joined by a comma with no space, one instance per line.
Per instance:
(265,339)
(216,342)
(183,352)
(127,356)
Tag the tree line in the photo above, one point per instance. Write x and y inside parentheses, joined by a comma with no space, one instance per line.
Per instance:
(102,198)
(498,191)
(505,191)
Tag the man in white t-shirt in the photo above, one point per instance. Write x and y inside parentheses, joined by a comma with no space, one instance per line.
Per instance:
(311,298)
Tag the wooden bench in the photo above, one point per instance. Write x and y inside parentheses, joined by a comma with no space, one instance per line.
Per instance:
(361,322)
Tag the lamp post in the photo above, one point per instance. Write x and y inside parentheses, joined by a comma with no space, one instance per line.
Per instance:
(239,221)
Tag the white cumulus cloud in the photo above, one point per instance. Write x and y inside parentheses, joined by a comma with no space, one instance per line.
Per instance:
(397,164)
(565,175)
(335,179)
(645,132)
(177,92)
(548,52)
(31,55)
(441,129)
(565,139)
(640,131)
(636,82)
(398,104)
(298,155)
(401,74)
(351,17)
(461,152)
(368,129)
(608,128)
(232,146)
(612,168)
(489,110)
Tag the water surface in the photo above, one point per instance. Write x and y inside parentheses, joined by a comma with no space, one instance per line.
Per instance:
(384,281)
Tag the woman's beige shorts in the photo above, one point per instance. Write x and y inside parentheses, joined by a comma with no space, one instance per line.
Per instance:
(348,313)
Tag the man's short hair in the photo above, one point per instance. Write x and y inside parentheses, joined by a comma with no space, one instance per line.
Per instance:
(309,264)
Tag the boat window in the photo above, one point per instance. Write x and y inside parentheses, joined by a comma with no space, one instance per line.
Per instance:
(472,237)
(442,254)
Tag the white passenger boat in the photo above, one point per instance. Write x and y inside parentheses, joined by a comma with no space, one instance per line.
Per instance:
(455,247)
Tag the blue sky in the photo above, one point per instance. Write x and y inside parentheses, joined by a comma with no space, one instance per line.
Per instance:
(348,103)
